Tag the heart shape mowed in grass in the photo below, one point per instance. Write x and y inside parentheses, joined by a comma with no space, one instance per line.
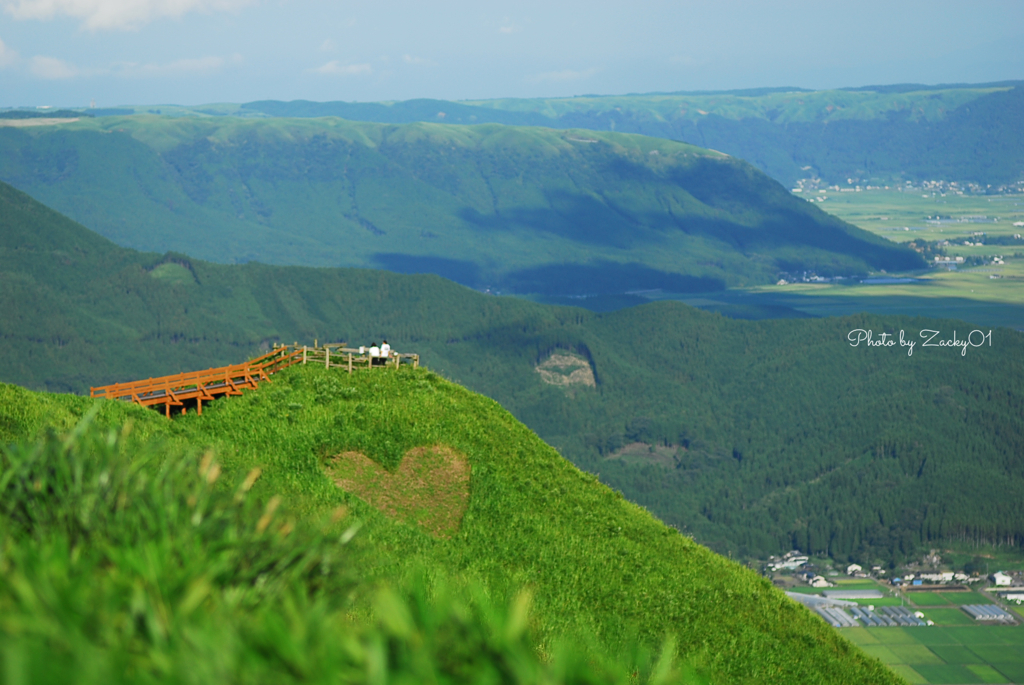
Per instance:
(430,487)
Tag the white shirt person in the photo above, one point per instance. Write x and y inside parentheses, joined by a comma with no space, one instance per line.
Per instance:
(385,350)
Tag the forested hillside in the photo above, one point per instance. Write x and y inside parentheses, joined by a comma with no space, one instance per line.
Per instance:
(753,436)
(965,133)
(523,210)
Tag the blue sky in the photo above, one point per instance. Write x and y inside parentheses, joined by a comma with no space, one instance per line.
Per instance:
(68,52)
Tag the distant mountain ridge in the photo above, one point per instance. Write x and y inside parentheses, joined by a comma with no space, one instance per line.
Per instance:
(961,132)
(891,88)
(527,210)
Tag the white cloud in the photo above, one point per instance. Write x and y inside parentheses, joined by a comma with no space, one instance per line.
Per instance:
(336,68)
(114,14)
(507,26)
(418,61)
(7,56)
(563,75)
(192,65)
(52,68)
(327,46)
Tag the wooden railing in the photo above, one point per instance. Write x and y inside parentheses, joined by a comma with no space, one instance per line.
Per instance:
(200,386)
(337,356)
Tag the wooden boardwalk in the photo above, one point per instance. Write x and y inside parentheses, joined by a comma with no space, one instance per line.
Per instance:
(200,386)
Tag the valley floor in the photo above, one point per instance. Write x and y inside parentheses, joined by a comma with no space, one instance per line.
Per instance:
(989,295)
(946,654)
(954,651)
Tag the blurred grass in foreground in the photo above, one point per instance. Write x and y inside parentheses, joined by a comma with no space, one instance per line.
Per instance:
(124,560)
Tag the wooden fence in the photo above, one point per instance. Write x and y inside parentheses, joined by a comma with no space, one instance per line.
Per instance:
(337,356)
(200,386)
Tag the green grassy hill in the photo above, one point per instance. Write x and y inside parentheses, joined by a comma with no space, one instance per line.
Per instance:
(94,538)
(524,210)
(953,132)
(755,437)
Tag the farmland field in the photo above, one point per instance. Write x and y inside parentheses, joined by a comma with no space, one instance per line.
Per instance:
(903,216)
(928,599)
(988,295)
(960,598)
(955,651)
(947,616)
(948,295)
(855,584)
(881,602)
(925,598)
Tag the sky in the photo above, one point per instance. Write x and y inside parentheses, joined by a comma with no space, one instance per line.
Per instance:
(190,52)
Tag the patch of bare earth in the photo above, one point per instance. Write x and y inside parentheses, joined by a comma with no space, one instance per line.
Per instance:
(429,489)
(642,452)
(566,370)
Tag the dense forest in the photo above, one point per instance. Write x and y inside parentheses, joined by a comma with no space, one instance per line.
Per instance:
(754,437)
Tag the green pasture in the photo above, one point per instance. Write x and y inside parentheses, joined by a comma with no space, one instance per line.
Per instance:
(781,106)
(961,598)
(784,106)
(946,655)
(904,215)
(947,616)
(927,599)
(855,583)
(823,300)
(945,599)
(881,602)
(970,295)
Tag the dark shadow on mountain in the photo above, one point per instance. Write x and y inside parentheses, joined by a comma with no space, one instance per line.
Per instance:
(458,270)
(596,303)
(579,218)
(611,303)
(603,278)
(756,312)
(590,221)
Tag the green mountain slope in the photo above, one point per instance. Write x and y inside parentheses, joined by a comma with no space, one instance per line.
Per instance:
(595,563)
(954,132)
(754,436)
(514,209)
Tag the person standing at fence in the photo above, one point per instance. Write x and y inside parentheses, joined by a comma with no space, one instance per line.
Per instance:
(374,355)
(385,352)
